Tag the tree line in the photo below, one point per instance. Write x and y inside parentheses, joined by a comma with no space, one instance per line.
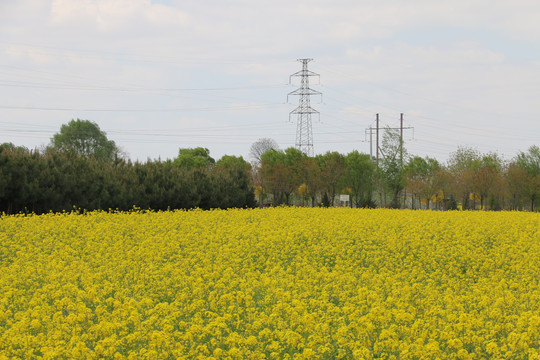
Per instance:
(82,170)
(34,182)
(469,180)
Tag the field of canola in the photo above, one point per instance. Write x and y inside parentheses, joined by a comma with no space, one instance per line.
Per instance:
(282,283)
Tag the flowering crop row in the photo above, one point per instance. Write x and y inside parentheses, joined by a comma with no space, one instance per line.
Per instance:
(281,283)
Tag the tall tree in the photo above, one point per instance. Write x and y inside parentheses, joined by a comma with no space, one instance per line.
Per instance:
(333,168)
(281,170)
(233,181)
(487,178)
(517,180)
(310,176)
(530,162)
(421,175)
(13,178)
(259,147)
(85,138)
(462,165)
(256,152)
(359,176)
(391,167)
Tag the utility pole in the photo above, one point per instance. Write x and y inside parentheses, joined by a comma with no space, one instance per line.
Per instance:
(380,151)
(304,131)
(370,142)
(377,137)
(377,147)
(401,139)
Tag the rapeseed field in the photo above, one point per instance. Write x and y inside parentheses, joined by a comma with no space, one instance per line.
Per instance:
(279,283)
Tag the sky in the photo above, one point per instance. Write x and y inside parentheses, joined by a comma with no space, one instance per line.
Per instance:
(158,76)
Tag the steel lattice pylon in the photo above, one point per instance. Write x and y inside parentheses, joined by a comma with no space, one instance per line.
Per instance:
(304,132)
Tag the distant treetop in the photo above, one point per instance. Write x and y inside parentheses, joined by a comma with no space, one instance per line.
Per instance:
(86,139)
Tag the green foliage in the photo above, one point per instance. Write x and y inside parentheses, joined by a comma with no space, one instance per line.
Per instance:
(281,170)
(477,174)
(464,158)
(391,172)
(358,178)
(232,182)
(424,178)
(58,181)
(84,138)
(487,180)
(12,147)
(196,158)
(529,163)
(233,162)
(421,167)
(462,165)
(293,156)
(310,176)
(332,165)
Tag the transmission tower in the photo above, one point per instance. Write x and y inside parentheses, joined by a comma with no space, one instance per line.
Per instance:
(304,132)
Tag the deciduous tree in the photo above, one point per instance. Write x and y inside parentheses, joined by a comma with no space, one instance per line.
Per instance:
(421,176)
(195,158)
(259,147)
(391,167)
(358,177)
(530,162)
(462,165)
(85,138)
(332,165)
(280,170)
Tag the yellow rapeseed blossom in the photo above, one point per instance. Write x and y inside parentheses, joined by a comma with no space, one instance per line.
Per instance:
(278,283)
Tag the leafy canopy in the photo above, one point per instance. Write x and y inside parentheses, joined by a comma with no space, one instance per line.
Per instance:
(84,138)
(195,158)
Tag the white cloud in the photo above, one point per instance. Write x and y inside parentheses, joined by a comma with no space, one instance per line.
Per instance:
(36,55)
(110,16)
(458,62)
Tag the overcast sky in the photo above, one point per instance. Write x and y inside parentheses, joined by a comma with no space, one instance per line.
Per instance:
(157,76)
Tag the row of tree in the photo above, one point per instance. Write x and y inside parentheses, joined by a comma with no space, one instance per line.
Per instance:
(469,180)
(38,182)
(81,168)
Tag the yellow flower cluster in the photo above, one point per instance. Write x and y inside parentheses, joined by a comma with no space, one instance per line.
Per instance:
(279,283)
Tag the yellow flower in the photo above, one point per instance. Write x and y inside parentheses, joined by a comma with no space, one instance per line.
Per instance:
(277,283)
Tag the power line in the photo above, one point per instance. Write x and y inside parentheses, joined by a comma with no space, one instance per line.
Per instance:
(15,83)
(234,107)
(149,57)
(378,148)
